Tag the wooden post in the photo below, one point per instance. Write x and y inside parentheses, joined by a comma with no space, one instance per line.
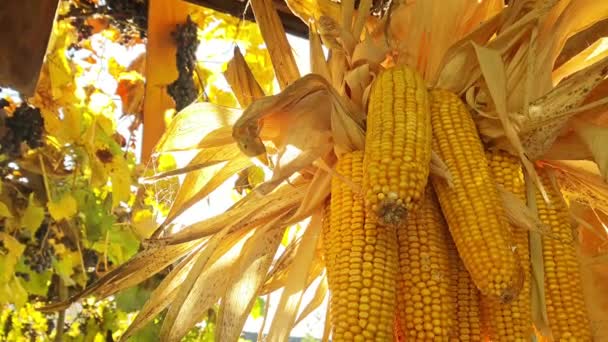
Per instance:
(163,16)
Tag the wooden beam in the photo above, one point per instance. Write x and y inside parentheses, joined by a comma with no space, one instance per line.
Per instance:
(25,28)
(236,8)
(163,16)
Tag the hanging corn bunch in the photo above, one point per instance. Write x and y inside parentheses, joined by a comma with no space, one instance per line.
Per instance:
(385,149)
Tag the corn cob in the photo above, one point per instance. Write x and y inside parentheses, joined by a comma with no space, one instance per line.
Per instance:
(471,206)
(424,302)
(566,310)
(513,321)
(362,275)
(398,144)
(465,300)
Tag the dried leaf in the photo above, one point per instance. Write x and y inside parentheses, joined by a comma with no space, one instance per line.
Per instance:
(492,68)
(162,296)
(318,64)
(551,112)
(596,139)
(193,124)
(315,302)
(312,10)
(318,191)
(294,288)
(199,184)
(139,268)
(241,80)
(264,209)
(248,277)
(283,62)
(519,215)
(204,285)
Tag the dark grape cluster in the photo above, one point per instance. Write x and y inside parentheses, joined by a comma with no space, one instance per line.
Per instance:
(90,258)
(129,16)
(39,259)
(183,90)
(38,254)
(26,125)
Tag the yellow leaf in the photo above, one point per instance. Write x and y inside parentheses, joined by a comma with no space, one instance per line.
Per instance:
(33,215)
(65,208)
(115,68)
(9,260)
(13,292)
(4,210)
(121,181)
(144,223)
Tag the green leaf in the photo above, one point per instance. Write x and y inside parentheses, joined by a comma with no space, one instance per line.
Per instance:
(258,308)
(33,215)
(149,333)
(65,268)
(13,292)
(132,299)
(38,283)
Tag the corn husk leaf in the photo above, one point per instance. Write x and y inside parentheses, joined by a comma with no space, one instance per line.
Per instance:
(519,215)
(283,62)
(294,288)
(248,277)
(551,112)
(581,183)
(316,301)
(241,80)
(205,158)
(493,70)
(162,295)
(318,64)
(596,139)
(199,184)
(193,124)
(318,191)
(204,285)
(312,10)
(258,209)
(139,268)
(426,30)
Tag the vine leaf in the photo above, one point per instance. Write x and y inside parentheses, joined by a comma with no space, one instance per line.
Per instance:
(33,215)
(64,208)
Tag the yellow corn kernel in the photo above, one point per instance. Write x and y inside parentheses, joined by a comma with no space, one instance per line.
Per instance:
(465,301)
(512,321)
(362,262)
(566,310)
(472,206)
(397,145)
(424,299)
